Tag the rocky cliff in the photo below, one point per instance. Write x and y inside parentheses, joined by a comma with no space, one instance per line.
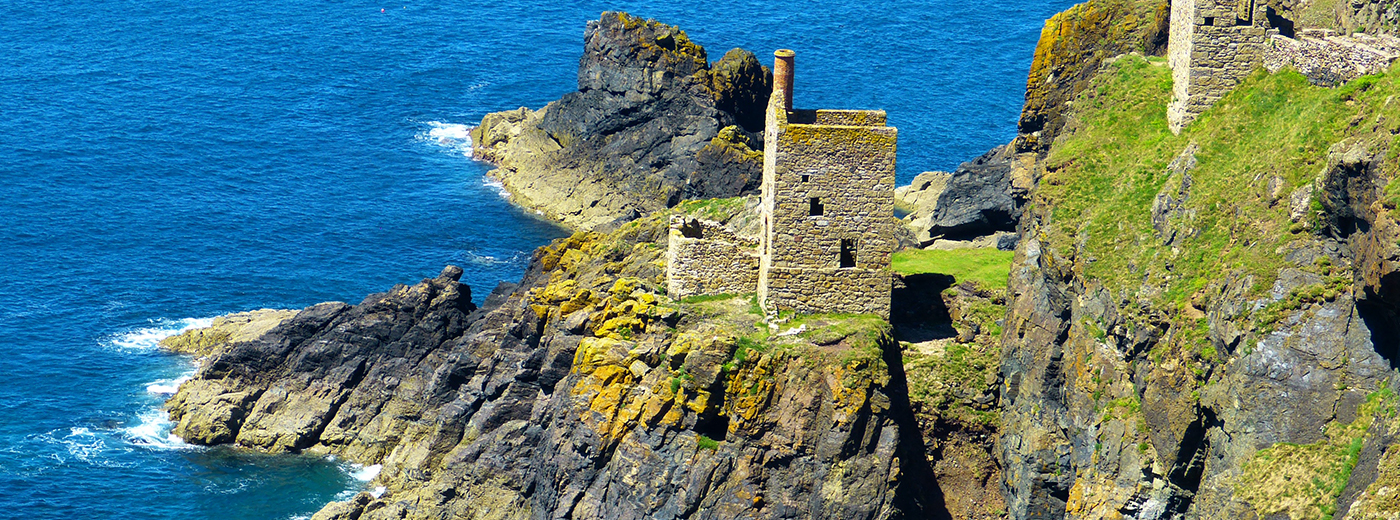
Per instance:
(652,123)
(1072,46)
(1202,326)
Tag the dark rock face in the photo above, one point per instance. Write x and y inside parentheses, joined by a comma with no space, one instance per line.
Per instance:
(630,140)
(982,198)
(978,199)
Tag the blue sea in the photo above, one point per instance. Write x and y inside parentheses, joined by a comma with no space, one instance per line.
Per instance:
(166,162)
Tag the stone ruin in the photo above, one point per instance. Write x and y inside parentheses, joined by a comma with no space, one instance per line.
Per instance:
(1216,44)
(1213,45)
(1328,59)
(705,257)
(827,210)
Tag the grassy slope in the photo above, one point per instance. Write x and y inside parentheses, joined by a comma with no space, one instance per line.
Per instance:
(1101,181)
(1255,147)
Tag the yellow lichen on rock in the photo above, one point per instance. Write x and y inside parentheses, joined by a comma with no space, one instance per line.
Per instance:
(224,330)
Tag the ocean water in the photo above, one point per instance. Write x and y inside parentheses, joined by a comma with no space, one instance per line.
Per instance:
(165,162)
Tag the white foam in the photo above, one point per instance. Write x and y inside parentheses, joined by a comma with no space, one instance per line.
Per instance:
(492,183)
(154,431)
(166,387)
(148,338)
(365,473)
(455,131)
(453,136)
(378,491)
(82,445)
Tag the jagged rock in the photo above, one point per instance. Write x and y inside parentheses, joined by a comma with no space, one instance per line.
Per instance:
(642,133)
(1117,406)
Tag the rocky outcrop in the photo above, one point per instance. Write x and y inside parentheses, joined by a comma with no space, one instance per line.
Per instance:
(579,393)
(231,328)
(652,123)
(980,199)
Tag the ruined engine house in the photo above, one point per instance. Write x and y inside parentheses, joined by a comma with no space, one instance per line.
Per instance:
(827,215)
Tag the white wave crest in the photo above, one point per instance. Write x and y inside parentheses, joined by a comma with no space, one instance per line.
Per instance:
(378,491)
(364,473)
(153,431)
(166,387)
(492,183)
(148,338)
(453,136)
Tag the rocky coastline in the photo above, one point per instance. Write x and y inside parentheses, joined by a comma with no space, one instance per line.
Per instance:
(583,392)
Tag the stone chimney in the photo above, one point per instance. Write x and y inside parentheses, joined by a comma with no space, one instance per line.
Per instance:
(782,74)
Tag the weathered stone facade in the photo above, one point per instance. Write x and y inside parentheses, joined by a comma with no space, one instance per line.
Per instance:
(1327,59)
(828,205)
(705,258)
(1214,44)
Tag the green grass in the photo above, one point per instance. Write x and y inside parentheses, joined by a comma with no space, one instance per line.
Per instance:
(1095,200)
(944,380)
(987,267)
(703,298)
(712,209)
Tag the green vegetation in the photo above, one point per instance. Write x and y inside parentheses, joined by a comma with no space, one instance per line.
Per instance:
(702,298)
(1304,480)
(947,380)
(986,267)
(1095,201)
(712,209)
(706,443)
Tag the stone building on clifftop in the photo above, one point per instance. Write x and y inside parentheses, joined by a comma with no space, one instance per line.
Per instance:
(1213,45)
(828,206)
(827,215)
(1216,44)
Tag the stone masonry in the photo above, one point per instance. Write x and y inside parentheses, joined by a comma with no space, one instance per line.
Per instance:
(1328,59)
(828,205)
(1213,45)
(705,258)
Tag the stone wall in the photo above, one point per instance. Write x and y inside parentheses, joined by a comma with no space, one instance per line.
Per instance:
(1327,59)
(1213,45)
(856,291)
(828,202)
(705,258)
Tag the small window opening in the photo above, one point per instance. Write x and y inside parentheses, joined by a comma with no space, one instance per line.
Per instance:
(1277,21)
(848,252)
(806,177)
(816,208)
(1210,20)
